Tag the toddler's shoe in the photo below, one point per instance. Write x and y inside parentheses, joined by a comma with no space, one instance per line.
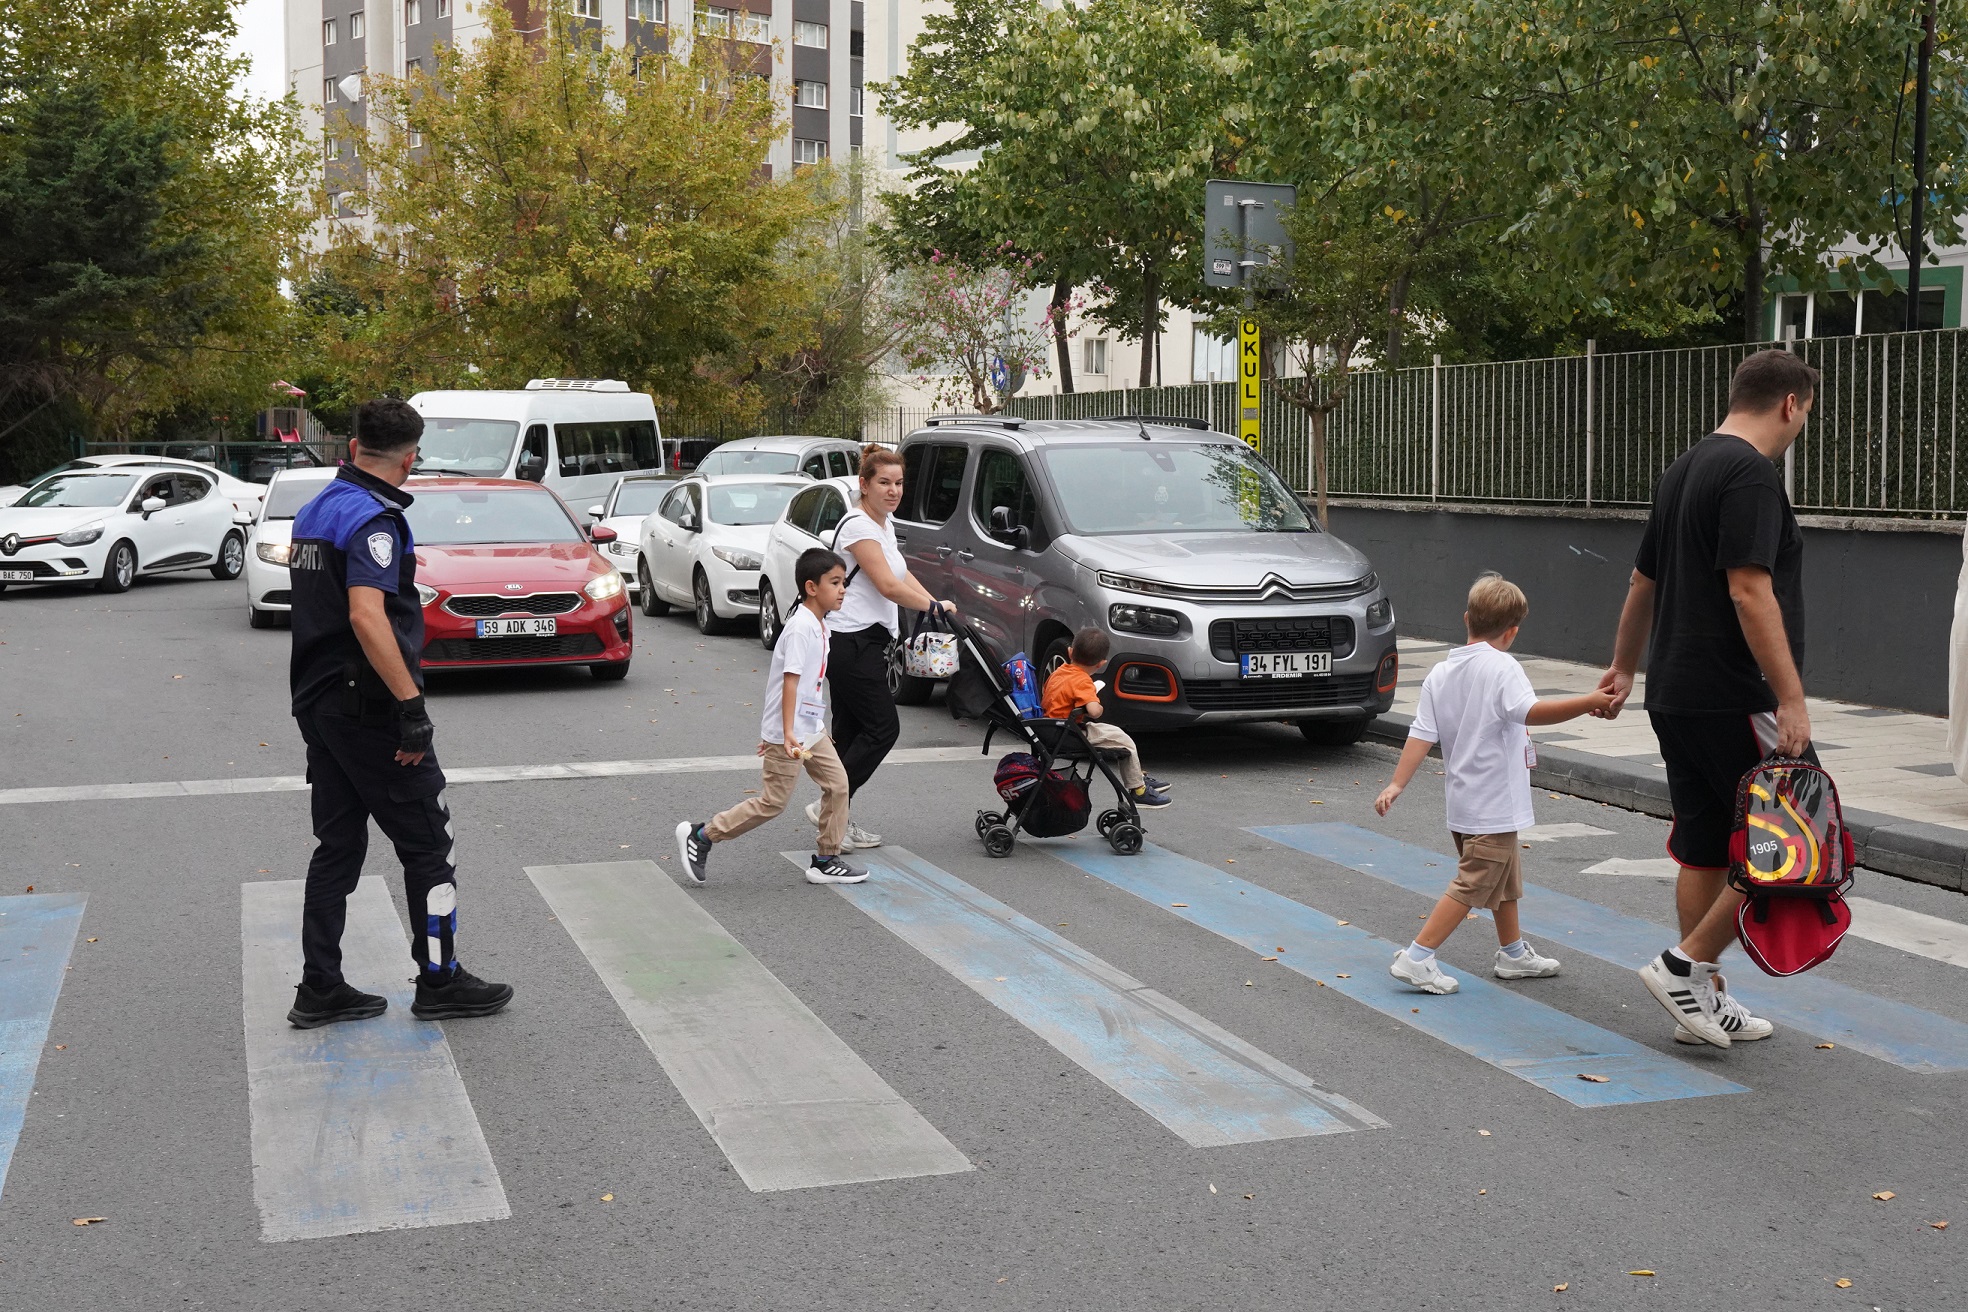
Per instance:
(1428,976)
(1149,798)
(1528,966)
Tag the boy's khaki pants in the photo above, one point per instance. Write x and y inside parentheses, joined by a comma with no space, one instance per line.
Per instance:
(1106,735)
(781,773)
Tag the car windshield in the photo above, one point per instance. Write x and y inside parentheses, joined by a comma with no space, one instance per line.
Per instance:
(288,495)
(79,490)
(450,517)
(466,446)
(1166,488)
(749,503)
(640,497)
(746,461)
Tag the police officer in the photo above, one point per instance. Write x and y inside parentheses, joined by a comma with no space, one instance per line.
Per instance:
(357,683)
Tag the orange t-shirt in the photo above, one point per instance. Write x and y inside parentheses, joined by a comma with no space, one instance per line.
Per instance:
(1069,688)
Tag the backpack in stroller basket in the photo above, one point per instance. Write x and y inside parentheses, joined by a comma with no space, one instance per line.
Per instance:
(1048,803)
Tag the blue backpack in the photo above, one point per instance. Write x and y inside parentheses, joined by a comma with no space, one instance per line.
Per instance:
(1024,681)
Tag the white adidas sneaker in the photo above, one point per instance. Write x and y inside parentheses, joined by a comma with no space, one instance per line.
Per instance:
(1428,976)
(1735,1018)
(1689,998)
(1531,965)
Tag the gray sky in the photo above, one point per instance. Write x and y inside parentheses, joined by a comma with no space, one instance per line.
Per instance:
(262,36)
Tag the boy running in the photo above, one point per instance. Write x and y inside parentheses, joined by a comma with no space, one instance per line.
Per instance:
(1070,687)
(1478,705)
(793,730)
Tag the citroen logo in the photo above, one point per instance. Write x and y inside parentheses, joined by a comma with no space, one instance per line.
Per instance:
(10,544)
(1273,588)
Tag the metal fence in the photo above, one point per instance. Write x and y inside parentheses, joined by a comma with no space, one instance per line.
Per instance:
(1597,430)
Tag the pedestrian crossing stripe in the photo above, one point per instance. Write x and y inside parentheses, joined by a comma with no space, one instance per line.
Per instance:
(1895,1032)
(1206,1085)
(37,933)
(1506,1029)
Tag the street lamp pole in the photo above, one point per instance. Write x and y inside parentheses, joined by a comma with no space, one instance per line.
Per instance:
(1916,238)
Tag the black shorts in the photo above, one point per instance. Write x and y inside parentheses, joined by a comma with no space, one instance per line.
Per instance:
(1706,756)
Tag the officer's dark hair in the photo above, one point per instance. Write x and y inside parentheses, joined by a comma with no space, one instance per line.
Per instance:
(1764,379)
(813,565)
(387,426)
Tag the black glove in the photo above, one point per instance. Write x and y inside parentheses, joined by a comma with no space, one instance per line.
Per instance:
(414,729)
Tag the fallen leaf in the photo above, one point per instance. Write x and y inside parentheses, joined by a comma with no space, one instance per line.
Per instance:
(61,1047)
(1643,1271)
(91,940)
(1470,916)
(1249,985)
(1937,1225)
(1249,1196)
(608,1198)
(1417,1011)
(1212,1188)
(1561,1288)
(263,744)
(1001,978)
(1315,801)
(1062,924)
(177,676)
(1484,1133)
(1884,1195)
(1842,1283)
(263,872)
(88,1220)
(1002,1279)
(1281,947)
(1594,1079)
(1178,904)
(1269,958)
(30,888)
(1827,1045)
(1482,1191)
(1230,860)
(1342,922)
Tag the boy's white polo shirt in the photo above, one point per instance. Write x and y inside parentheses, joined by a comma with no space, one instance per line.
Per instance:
(801,650)
(1475,705)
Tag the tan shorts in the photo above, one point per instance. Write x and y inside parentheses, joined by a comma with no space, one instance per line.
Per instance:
(1488,871)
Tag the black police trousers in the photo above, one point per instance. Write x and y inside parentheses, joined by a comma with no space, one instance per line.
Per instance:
(352,769)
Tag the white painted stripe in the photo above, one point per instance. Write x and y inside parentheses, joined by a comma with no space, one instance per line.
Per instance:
(1552,833)
(467,774)
(789,1103)
(1658,867)
(363,1125)
(1909,931)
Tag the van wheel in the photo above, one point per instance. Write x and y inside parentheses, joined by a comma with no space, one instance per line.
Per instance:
(906,689)
(119,569)
(652,605)
(1335,733)
(768,615)
(1053,657)
(708,622)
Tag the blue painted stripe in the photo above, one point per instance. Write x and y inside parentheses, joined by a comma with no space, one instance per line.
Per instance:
(1510,1031)
(36,934)
(1206,1085)
(1880,1027)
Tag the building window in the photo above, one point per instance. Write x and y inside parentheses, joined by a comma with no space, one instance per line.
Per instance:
(810,34)
(715,21)
(355,26)
(588,8)
(413,12)
(328,32)
(327,90)
(411,67)
(811,95)
(808,152)
(334,150)
(647,11)
(756,28)
(416,138)
(444,8)
(856,39)
(854,101)
(1093,356)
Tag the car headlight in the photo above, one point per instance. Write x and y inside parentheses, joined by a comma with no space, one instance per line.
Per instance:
(1381,613)
(81,537)
(426,594)
(738,558)
(603,586)
(1123,583)
(1144,619)
(622,547)
(274,553)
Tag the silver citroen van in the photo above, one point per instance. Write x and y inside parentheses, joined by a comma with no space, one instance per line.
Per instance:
(1224,600)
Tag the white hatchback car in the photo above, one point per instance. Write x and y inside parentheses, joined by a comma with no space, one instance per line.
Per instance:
(629,502)
(108,526)
(810,520)
(703,546)
(815,457)
(244,496)
(267,581)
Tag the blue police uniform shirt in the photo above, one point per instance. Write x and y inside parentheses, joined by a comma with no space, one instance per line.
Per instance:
(351,535)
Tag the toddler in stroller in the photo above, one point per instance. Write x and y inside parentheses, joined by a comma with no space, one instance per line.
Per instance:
(1045,787)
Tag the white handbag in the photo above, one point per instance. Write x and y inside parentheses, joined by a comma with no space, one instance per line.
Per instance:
(931,650)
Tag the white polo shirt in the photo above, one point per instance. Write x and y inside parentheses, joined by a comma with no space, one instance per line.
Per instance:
(801,650)
(1475,705)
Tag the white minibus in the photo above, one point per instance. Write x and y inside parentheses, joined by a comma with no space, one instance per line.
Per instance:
(576,435)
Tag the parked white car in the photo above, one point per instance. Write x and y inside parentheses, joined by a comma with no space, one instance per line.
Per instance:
(809,521)
(629,502)
(815,457)
(703,546)
(108,526)
(267,581)
(244,496)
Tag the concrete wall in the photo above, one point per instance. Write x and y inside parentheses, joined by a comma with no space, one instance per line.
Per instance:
(1879,600)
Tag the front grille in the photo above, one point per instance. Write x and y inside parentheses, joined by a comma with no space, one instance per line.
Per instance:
(513,649)
(1278,694)
(279,597)
(482,606)
(1230,639)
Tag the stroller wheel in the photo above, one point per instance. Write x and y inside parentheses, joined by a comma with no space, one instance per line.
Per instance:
(998,841)
(1125,838)
(1108,819)
(985,819)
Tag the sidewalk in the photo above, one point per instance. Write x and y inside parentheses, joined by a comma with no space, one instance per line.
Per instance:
(1905,807)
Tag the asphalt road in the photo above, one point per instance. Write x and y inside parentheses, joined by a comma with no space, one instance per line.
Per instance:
(1079,1199)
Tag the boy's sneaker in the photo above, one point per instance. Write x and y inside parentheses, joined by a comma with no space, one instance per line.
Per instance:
(1528,966)
(1155,785)
(833,870)
(694,849)
(1428,976)
(1689,998)
(813,812)
(1735,1018)
(344,1001)
(859,837)
(1149,798)
(460,993)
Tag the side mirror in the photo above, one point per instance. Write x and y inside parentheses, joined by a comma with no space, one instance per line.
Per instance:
(531,467)
(151,505)
(1005,527)
(689,524)
(594,512)
(601,533)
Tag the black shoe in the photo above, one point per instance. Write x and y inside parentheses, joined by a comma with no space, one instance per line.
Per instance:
(461,993)
(342,1002)
(833,870)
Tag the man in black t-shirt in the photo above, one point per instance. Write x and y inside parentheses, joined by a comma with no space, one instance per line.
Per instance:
(1718,582)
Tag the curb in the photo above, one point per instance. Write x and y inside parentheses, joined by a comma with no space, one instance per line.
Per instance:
(1907,849)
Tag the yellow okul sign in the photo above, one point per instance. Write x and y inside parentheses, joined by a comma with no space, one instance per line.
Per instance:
(1247,380)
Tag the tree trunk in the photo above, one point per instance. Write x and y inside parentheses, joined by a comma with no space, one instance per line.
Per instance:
(1397,316)
(1062,291)
(1317,417)
(1151,314)
(1752,289)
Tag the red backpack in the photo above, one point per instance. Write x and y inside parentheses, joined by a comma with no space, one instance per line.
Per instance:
(1792,857)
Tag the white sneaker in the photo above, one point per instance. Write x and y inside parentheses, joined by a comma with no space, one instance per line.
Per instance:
(859,837)
(813,812)
(1689,998)
(1529,966)
(1428,976)
(1735,1018)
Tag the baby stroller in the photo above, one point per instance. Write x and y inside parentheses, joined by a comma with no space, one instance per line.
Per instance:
(1045,787)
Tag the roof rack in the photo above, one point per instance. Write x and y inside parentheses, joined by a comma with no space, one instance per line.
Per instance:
(1000,421)
(1170,421)
(576,385)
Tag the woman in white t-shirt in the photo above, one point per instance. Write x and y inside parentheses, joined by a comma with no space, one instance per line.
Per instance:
(865,723)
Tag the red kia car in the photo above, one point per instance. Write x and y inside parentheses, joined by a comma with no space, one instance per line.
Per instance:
(508,577)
